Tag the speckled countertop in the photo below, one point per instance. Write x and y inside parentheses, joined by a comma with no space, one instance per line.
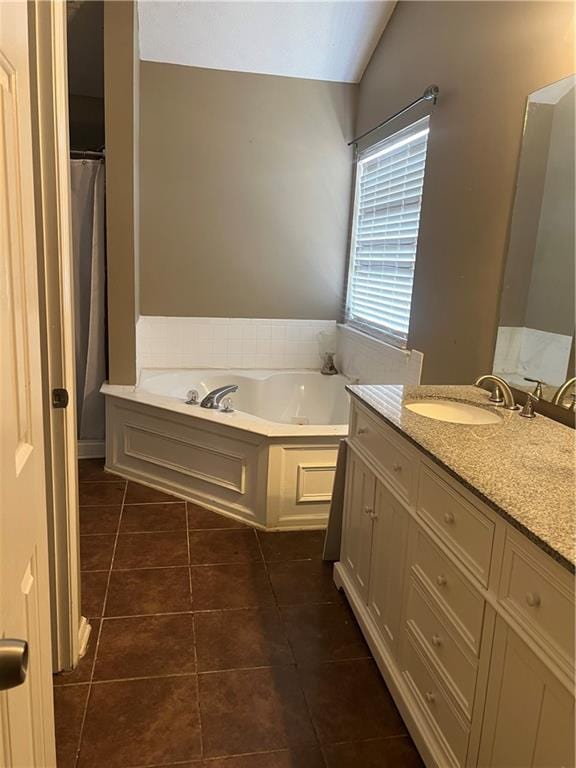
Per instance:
(524,469)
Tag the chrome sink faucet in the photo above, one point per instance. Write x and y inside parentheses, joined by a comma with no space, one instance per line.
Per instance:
(501,394)
(214,399)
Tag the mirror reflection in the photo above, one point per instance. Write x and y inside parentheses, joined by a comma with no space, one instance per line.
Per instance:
(535,344)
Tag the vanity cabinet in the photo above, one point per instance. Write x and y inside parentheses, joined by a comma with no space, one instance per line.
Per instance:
(373,546)
(529,718)
(470,623)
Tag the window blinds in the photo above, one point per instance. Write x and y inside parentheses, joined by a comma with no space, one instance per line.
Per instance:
(389,180)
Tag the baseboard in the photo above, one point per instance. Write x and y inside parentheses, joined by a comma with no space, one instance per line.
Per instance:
(84,631)
(91,449)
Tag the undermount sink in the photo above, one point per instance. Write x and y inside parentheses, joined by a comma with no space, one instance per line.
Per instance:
(457,413)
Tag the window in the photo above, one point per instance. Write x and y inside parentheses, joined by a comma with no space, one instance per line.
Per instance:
(387,202)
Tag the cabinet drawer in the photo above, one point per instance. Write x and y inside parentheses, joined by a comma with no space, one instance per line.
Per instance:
(387,451)
(467,532)
(452,730)
(539,594)
(456,668)
(463,605)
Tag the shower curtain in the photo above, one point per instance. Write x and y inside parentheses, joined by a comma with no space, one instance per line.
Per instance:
(88,240)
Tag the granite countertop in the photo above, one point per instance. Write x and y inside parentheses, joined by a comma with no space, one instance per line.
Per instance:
(524,469)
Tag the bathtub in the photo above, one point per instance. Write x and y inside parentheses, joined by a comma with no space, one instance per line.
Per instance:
(269,463)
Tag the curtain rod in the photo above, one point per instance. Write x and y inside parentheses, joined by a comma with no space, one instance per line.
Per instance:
(430,94)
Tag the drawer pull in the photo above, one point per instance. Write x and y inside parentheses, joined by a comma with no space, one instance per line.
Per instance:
(448,518)
(362,431)
(441,580)
(533,599)
(430,698)
(436,641)
(397,467)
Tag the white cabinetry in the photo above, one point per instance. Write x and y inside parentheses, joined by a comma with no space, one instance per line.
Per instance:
(471,624)
(529,717)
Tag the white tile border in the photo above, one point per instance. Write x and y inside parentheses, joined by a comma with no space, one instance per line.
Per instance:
(217,342)
(248,343)
(371,361)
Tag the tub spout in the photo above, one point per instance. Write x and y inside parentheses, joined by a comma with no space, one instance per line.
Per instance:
(213,399)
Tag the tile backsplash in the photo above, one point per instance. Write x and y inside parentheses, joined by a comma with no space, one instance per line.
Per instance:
(372,361)
(222,342)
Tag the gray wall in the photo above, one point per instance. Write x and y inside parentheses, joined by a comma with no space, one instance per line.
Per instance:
(121,96)
(487,58)
(244,193)
(550,304)
(526,214)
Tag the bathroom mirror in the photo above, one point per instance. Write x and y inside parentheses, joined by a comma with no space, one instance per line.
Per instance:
(535,340)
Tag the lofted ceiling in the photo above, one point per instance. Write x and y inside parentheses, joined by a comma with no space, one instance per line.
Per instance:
(326,40)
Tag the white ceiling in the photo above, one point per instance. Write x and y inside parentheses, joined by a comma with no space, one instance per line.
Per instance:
(326,40)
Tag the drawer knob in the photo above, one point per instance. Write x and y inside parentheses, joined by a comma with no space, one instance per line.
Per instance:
(441,580)
(430,698)
(397,467)
(362,430)
(373,515)
(368,511)
(436,641)
(448,518)
(533,599)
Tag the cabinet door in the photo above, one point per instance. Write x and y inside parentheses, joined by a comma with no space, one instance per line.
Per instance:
(529,715)
(358,521)
(388,563)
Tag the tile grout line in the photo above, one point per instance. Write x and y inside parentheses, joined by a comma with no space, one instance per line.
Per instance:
(100,627)
(201,730)
(298,680)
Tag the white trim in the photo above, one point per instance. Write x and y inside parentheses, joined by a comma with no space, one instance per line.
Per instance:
(91,449)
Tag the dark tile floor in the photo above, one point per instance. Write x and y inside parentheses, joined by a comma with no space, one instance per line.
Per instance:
(214,646)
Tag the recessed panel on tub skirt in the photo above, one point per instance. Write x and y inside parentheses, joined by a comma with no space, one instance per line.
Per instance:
(300,484)
(208,463)
(211,465)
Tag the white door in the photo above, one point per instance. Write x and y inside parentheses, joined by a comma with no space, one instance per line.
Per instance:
(358,522)
(26,712)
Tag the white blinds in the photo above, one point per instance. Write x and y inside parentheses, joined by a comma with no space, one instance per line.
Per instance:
(389,179)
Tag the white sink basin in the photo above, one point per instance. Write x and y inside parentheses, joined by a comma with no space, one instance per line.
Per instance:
(457,413)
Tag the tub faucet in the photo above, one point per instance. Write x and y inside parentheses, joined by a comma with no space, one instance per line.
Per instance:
(501,392)
(213,399)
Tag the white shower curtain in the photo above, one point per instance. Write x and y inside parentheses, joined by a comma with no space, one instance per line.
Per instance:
(88,236)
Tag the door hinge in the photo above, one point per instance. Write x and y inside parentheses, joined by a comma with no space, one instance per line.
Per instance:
(59,398)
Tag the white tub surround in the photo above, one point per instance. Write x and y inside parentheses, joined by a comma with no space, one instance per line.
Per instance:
(270,463)
(529,352)
(372,361)
(224,342)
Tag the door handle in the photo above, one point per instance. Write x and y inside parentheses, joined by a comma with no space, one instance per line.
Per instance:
(13,663)
(60,398)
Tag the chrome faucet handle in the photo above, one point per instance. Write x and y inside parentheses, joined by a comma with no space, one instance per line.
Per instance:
(528,408)
(227,405)
(538,391)
(192,397)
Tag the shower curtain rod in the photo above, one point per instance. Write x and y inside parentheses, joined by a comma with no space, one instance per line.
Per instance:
(86,154)
(430,94)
